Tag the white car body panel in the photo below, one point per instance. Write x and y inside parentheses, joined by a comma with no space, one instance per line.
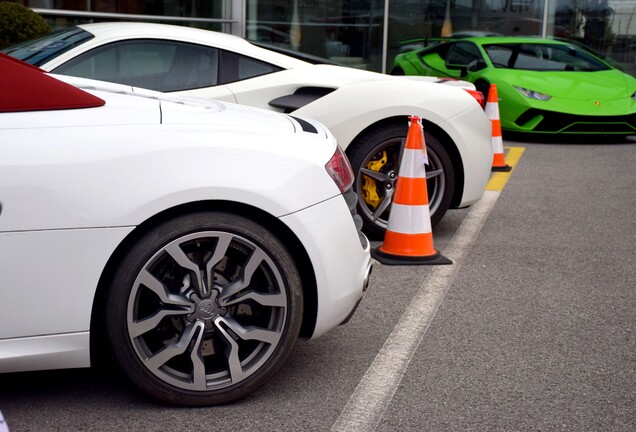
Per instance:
(61,351)
(363,97)
(118,154)
(75,183)
(330,240)
(45,300)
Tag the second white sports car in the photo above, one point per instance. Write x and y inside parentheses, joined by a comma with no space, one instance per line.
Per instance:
(366,111)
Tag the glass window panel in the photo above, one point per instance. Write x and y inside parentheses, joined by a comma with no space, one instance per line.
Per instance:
(250,68)
(39,51)
(542,58)
(607,28)
(236,67)
(414,24)
(155,65)
(57,4)
(462,54)
(349,32)
(352,30)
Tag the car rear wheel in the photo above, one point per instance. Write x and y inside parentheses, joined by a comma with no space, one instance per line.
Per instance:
(375,158)
(204,309)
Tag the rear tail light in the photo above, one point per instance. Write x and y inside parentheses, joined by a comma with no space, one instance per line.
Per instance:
(339,170)
(479,97)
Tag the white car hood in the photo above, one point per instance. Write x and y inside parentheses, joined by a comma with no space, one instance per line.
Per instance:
(176,110)
(182,110)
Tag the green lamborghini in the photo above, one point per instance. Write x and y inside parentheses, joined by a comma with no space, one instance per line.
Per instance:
(544,86)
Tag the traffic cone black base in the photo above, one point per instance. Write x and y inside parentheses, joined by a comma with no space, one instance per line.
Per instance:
(390,259)
(506,168)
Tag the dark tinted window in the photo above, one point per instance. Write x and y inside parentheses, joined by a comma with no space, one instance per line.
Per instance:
(39,51)
(152,64)
(462,53)
(543,57)
(237,67)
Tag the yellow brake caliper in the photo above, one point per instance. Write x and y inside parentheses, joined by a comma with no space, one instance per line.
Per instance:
(369,189)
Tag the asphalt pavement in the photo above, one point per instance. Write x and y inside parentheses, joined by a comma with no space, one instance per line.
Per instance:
(533,328)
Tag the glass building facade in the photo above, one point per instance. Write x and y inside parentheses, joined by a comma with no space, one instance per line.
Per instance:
(369,33)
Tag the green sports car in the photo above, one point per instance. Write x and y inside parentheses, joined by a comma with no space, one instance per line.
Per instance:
(544,86)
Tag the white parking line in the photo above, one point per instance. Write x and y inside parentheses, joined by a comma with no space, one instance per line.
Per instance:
(367,404)
(3,424)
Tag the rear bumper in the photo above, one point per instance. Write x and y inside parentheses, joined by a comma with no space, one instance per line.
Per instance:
(471,132)
(364,288)
(340,257)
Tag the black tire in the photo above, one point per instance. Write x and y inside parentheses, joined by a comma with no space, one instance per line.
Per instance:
(483,87)
(397,71)
(379,180)
(191,343)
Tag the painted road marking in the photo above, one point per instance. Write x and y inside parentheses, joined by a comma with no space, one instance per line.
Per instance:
(499,179)
(369,401)
(3,424)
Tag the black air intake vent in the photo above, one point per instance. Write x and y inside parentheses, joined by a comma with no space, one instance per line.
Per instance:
(300,98)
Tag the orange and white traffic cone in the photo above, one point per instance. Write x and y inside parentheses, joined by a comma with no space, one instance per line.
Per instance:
(492,111)
(409,239)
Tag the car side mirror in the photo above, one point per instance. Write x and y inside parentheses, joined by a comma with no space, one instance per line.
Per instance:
(463,69)
(476,65)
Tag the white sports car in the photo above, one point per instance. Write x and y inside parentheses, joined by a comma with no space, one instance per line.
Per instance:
(366,111)
(196,240)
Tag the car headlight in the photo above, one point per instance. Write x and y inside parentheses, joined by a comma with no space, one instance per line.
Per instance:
(533,94)
(634,96)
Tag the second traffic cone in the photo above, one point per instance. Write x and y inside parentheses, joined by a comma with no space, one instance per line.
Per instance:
(408,239)
(492,111)
(447,27)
